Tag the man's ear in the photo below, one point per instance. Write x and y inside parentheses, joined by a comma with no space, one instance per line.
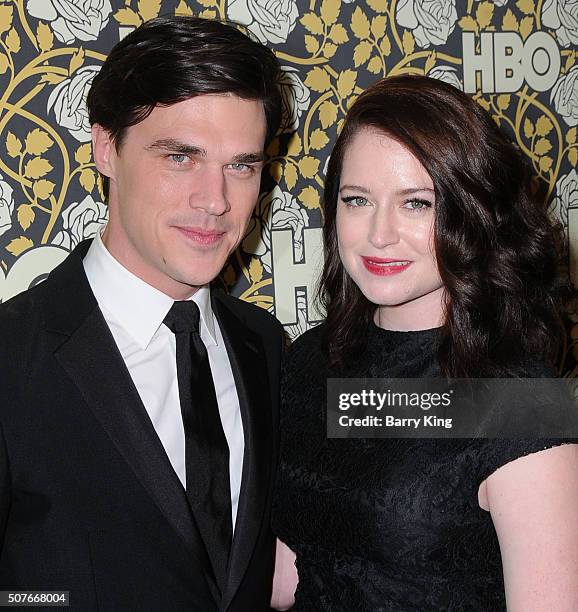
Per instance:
(103,150)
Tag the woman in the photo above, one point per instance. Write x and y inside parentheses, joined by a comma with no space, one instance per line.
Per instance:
(438,263)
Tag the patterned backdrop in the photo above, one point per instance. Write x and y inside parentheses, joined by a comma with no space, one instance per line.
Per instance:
(517,58)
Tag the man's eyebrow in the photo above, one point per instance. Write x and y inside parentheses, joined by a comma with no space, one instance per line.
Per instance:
(176,146)
(248,158)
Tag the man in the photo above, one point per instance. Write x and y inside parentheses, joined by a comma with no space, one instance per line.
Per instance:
(136,453)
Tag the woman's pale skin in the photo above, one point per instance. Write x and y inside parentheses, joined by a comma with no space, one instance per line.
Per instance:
(385,219)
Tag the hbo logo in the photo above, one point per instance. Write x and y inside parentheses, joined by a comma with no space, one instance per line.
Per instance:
(504,61)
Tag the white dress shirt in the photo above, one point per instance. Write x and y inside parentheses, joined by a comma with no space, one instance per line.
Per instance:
(134,311)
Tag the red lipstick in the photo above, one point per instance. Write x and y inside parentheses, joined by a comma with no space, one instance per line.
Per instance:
(385,267)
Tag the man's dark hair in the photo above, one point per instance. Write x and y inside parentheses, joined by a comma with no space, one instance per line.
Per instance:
(171,59)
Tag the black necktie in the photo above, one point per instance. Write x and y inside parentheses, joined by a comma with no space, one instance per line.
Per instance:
(206,448)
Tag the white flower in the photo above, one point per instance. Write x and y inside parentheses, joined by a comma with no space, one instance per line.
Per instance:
(6,206)
(566,196)
(432,21)
(562,16)
(564,94)
(276,210)
(69,102)
(295,97)
(72,19)
(80,220)
(447,74)
(270,20)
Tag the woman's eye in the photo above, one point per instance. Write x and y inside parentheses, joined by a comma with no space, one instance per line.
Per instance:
(417,205)
(355,201)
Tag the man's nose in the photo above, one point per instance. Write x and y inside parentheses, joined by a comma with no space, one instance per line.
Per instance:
(210,191)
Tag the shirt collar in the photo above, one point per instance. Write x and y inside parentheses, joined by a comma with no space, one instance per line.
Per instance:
(138,307)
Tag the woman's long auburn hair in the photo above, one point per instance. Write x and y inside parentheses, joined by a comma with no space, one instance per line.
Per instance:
(497,250)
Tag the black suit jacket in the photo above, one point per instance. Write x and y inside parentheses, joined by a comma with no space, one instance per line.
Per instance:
(89,502)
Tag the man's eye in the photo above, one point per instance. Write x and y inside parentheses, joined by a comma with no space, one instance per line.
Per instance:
(241,167)
(178,158)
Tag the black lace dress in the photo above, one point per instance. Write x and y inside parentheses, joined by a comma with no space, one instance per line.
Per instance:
(385,524)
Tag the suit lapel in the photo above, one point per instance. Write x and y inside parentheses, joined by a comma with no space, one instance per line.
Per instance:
(91,359)
(249,366)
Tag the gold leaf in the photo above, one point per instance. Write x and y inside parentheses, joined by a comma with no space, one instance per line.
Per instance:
(408,42)
(542,146)
(309,197)
(504,101)
(25,215)
(571,136)
(43,189)
(4,63)
(379,6)
(569,62)
(509,22)
(526,6)
(13,145)
(100,187)
(19,245)
(526,27)
(208,14)
(87,179)
(318,80)
(311,44)
(573,156)
(255,270)
(330,11)
(361,53)
(82,155)
(385,46)
(76,61)
(290,176)
(273,148)
(346,82)
(484,14)
(183,9)
(318,140)
(6,15)
(545,164)
(378,26)
(149,9)
(207,2)
(468,24)
(483,103)
(329,50)
(308,166)
(52,78)
(375,66)
(127,17)
(37,167)
(528,128)
(13,41)
(38,142)
(543,126)
(276,171)
(327,114)
(338,34)
(430,62)
(312,22)
(360,24)
(295,146)
(44,37)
